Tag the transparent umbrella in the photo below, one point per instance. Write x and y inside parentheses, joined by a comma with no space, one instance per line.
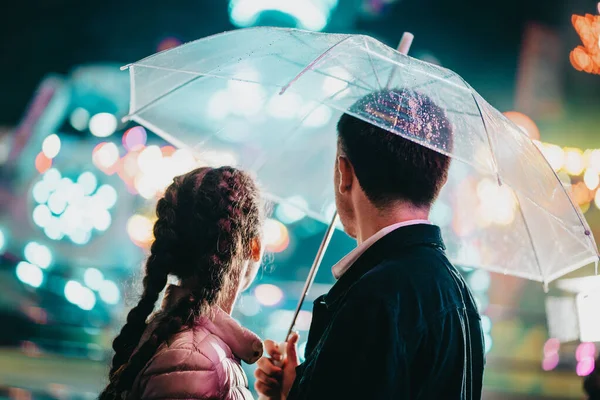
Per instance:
(269,98)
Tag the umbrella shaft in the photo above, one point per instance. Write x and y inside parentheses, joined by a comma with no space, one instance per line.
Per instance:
(313,270)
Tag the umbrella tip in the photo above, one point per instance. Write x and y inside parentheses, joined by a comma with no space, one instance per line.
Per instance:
(405,42)
(124,67)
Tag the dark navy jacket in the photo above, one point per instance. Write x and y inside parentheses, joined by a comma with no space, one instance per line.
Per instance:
(399,324)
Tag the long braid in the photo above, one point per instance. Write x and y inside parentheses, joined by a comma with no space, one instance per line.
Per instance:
(154,281)
(210,217)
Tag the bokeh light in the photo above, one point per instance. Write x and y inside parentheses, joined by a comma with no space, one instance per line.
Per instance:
(292,210)
(107,196)
(593,160)
(139,229)
(555,156)
(268,295)
(51,146)
(2,241)
(149,159)
(550,362)
(336,83)
(585,350)
(591,179)
(276,236)
(497,203)
(72,209)
(42,163)
(316,117)
(551,356)
(79,119)
(551,346)
(103,124)
(218,105)
(585,367)
(486,324)
(79,295)
(574,164)
(38,254)
(135,138)
(284,106)
(109,292)
(168,43)
(88,182)
(309,15)
(30,274)
(249,305)
(93,278)
(487,338)
(105,155)
(526,124)
(479,280)
(42,215)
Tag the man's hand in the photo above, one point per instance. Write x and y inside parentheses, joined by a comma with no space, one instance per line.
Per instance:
(275,375)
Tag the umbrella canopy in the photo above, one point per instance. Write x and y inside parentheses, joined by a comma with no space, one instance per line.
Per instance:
(268,99)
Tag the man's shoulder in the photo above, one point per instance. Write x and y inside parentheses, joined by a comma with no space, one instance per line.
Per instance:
(408,277)
(420,262)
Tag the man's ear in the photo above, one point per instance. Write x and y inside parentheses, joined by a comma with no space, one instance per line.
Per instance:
(346,172)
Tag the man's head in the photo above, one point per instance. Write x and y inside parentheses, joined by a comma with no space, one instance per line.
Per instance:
(384,169)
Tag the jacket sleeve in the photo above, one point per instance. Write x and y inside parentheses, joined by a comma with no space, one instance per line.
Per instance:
(181,373)
(361,356)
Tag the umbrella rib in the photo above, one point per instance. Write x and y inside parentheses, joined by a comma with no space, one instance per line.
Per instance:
(369,87)
(581,219)
(423,72)
(548,213)
(535,253)
(487,134)
(312,64)
(162,96)
(433,81)
(302,42)
(372,64)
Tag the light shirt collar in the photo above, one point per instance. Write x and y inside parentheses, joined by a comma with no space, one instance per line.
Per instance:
(345,263)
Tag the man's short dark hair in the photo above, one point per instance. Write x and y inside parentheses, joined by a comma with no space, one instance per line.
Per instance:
(388,166)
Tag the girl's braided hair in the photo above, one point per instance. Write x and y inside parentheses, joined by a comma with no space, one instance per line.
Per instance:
(206,222)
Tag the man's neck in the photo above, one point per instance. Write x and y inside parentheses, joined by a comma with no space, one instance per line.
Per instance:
(371,220)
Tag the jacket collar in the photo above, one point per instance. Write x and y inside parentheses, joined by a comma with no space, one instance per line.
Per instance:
(388,246)
(244,344)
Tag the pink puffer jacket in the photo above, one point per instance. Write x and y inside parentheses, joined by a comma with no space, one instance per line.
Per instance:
(199,363)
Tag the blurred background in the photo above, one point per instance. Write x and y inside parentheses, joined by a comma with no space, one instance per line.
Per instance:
(78,187)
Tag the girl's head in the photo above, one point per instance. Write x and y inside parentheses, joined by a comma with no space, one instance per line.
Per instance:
(208,234)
